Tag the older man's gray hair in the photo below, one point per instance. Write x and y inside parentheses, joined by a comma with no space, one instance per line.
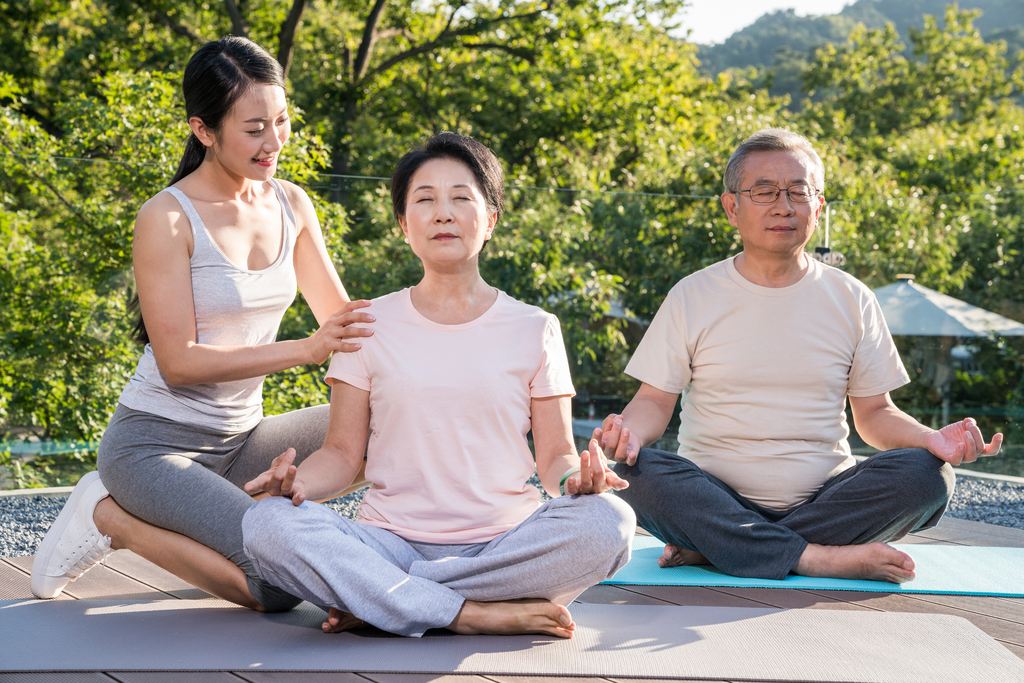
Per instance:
(772,140)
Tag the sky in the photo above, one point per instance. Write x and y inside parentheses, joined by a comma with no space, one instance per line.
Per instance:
(712,21)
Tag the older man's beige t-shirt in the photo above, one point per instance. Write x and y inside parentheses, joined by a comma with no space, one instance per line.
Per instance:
(765,373)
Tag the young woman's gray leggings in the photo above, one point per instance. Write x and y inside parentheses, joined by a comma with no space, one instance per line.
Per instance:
(188,479)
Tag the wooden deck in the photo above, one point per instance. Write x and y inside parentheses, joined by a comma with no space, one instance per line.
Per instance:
(127,576)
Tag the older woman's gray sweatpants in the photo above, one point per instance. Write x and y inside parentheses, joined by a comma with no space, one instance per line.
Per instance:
(567,545)
(188,479)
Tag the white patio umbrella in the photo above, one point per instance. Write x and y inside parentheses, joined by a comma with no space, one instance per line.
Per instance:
(917,311)
(913,310)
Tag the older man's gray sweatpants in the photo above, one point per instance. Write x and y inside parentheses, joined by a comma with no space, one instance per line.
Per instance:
(567,545)
(882,498)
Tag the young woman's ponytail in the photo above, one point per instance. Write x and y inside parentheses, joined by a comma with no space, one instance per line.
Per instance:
(193,157)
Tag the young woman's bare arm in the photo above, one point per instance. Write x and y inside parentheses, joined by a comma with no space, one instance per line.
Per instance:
(318,279)
(160,253)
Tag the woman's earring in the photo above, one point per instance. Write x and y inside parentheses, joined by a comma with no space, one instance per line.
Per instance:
(407,240)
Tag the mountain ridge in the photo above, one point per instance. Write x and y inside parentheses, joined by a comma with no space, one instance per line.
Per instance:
(776,48)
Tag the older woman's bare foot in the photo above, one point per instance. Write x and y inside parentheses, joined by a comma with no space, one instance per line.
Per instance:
(512,617)
(871,562)
(677,557)
(338,621)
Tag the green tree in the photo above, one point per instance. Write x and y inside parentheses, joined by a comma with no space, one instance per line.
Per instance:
(952,76)
(66,218)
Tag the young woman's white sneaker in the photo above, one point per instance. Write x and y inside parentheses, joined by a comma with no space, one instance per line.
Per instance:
(73,544)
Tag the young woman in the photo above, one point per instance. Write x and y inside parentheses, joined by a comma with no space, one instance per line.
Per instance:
(217,258)
(450,535)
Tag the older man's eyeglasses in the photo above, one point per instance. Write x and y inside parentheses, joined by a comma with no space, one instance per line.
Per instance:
(769,194)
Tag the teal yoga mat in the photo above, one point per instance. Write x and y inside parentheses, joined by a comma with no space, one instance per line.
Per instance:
(949,569)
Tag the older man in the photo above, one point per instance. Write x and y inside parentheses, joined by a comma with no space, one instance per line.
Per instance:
(766,347)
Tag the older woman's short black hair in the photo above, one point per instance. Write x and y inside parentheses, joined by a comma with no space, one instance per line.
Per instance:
(447,145)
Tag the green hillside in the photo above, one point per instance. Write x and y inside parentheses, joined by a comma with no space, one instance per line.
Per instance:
(775,49)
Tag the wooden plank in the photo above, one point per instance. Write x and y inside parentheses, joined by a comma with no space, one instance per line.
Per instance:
(174,676)
(1000,629)
(100,583)
(911,539)
(16,583)
(299,677)
(976,533)
(948,522)
(939,538)
(62,677)
(544,679)
(1011,609)
(653,680)
(786,598)
(962,537)
(696,596)
(616,595)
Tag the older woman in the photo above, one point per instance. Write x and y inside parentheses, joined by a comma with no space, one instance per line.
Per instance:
(450,535)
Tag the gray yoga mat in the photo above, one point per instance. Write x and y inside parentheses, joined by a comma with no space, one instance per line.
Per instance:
(640,641)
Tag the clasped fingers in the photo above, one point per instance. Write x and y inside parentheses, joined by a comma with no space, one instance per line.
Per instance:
(617,442)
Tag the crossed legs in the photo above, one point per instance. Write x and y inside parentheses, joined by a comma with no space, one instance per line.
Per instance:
(839,532)
(518,582)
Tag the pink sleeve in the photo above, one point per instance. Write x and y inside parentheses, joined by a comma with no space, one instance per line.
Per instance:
(350,369)
(553,377)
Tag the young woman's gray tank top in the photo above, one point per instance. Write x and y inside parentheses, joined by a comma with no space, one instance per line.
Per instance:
(234,307)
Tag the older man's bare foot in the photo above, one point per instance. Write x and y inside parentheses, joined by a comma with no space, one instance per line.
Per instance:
(871,562)
(338,621)
(512,617)
(677,557)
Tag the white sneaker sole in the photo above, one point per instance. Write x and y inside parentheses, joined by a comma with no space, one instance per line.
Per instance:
(43,586)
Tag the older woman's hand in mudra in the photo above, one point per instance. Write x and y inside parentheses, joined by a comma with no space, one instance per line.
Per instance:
(594,475)
(279,479)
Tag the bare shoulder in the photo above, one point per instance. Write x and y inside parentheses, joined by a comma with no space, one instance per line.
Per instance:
(302,206)
(162,217)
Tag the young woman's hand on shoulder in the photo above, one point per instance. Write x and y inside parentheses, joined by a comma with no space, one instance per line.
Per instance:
(341,321)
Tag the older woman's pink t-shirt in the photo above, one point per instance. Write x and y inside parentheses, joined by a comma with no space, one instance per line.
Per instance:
(449,414)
